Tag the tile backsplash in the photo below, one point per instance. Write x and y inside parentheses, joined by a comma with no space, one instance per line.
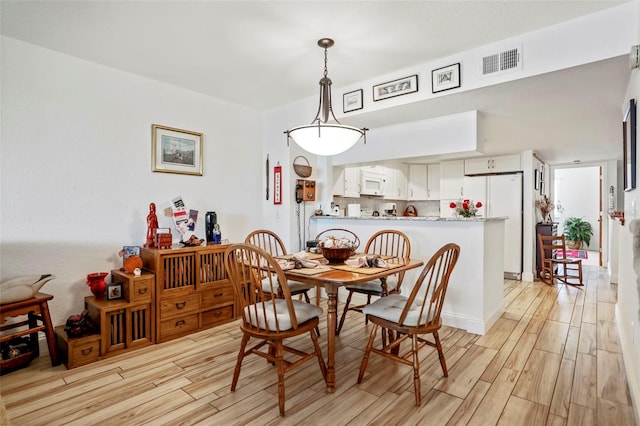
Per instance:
(424,208)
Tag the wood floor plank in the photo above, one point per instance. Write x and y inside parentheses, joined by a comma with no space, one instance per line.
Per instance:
(500,331)
(571,346)
(583,390)
(464,375)
(588,337)
(581,415)
(490,409)
(562,392)
(437,410)
(521,352)
(607,336)
(611,378)
(614,414)
(538,378)
(521,412)
(469,404)
(553,337)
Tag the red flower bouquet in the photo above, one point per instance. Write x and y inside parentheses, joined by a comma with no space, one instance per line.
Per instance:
(465,208)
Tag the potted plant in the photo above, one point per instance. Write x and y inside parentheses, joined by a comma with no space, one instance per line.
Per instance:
(578,232)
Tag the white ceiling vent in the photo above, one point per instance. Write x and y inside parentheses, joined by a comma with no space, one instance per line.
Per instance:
(501,62)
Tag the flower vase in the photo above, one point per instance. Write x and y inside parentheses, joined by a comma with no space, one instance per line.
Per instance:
(97,284)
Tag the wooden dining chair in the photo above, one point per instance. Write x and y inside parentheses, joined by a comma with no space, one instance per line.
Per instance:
(391,243)
(270,320)
(414,315)
(555,264)
(272,244)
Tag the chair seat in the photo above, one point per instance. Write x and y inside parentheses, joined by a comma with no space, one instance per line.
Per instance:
(294,286)
(390,308)
(375,286)
(304,312)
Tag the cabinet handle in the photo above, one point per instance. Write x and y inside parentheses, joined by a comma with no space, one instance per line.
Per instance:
(218,294)
(142,290)
(181,305)
(462,191)
(87,351)
(488,164)
(411,192)
(217,314)
(180,322)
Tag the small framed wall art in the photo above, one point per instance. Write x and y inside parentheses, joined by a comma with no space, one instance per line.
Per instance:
(176,151)
(445,78)
(352,101)
(399,87)
(629,145)
(114,291)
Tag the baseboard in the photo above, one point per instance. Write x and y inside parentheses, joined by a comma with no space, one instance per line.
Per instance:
(475,326)
(528,276)
(630,369)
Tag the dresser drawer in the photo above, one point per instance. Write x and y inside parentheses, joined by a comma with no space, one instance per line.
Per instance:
(77,351)
(142,291)
(216,316)
(218,295)
(179,305)
(181,325)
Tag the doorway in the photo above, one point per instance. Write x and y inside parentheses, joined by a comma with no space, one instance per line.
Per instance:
(577,192)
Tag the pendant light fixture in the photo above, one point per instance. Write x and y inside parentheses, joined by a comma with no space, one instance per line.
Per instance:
(320,137)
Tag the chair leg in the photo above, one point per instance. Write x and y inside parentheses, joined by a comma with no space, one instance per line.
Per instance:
(367,352)
(280,363)
(366,320)
(306,297)
(416,369)
(443,363)
(236,371)
(344,313)
(323,366)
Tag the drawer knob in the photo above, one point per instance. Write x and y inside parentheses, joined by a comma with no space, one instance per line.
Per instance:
(218,294)
(181,305)
(217,314)
(142,290)
(180,322)
(87,351)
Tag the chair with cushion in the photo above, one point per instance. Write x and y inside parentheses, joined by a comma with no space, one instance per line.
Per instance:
(270,320)
(389,244)
(555,265)
(412,316)
(272,244)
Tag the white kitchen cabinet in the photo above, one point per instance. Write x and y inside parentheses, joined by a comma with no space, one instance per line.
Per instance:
(499,164)
(346,181)
(433,181)
(374,168)
(417,182)
(396,187)
(451,180)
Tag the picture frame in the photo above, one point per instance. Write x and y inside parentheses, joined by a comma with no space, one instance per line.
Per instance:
(399,87)
(629,144)
(176,151)
(445,78)
(352,101)
(536,180)
(542,179)
(114,291)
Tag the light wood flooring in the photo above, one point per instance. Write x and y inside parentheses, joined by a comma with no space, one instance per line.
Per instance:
(552,359)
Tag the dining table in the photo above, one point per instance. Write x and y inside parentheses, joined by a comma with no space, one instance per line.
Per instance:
(332,276)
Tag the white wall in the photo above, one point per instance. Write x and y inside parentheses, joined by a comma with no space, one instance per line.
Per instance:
(628,306)
(76,166)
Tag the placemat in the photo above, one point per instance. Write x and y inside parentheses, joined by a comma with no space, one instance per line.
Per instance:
(366,271)
(309,271)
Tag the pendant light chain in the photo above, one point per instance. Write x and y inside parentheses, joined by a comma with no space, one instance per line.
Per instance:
(325,62)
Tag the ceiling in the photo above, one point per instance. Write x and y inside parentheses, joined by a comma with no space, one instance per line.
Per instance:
(263,54)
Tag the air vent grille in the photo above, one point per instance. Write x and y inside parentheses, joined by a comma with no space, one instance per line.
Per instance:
(504,61)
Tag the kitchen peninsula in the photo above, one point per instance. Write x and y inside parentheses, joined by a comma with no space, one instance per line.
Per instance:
(474,298)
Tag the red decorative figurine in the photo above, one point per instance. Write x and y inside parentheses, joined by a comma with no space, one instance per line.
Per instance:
(152,226)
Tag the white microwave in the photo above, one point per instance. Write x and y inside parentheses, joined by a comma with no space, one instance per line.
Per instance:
(371,183)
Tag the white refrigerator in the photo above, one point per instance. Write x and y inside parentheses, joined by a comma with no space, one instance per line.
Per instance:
(502,196)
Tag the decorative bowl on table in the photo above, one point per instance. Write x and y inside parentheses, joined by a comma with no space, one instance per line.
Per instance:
(337,250)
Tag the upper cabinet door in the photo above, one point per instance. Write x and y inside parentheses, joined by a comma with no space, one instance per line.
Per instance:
(417,182)
(451,179)
(433,181)
(486,165)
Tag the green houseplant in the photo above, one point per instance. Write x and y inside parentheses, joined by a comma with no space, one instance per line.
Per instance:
(578,231)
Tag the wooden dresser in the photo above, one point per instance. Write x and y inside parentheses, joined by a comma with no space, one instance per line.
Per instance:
(192,291)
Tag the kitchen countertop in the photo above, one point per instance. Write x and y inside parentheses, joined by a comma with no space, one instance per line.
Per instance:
(416,218)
